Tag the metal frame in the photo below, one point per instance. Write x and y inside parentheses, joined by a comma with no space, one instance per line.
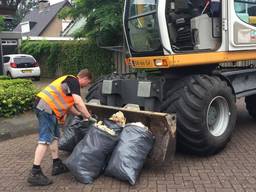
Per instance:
(242,81)
(148,93)
(145,93)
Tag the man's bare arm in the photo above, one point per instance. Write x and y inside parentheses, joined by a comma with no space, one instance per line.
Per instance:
(74,111)
(81,106)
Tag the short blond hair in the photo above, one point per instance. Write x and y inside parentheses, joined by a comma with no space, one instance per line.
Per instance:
(85,73)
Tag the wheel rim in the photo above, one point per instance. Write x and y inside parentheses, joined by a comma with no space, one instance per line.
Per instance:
(218,115)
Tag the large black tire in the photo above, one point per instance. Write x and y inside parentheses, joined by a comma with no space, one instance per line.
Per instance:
(9,74)
(94,92)
(195,99)
(250,102)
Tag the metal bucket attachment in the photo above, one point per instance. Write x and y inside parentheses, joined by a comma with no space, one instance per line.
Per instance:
(162,125)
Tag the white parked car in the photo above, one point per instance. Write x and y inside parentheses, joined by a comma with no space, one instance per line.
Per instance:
(21,65)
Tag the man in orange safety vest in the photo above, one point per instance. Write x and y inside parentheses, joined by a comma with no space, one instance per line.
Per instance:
(51,106)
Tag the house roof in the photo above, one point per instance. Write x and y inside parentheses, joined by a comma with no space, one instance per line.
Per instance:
(41,19)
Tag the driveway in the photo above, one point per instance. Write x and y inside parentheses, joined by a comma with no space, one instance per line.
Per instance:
(42,83)
(233,169)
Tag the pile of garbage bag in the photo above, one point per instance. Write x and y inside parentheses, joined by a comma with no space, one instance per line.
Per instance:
(113,147)
(89,157)
(129,155)
(73,133)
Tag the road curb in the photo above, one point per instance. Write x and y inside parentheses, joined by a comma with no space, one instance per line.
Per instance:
(4,136)
(18,126)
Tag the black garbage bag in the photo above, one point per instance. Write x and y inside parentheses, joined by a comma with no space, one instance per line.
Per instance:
(89,156)
(81,130)
(116,127)
(128,157)
(73,133)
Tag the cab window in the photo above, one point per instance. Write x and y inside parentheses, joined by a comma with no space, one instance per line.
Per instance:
(246,11)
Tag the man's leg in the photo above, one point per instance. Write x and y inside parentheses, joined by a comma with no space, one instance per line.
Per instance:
(40,153)
(36,176)
(54,149)
(58,167)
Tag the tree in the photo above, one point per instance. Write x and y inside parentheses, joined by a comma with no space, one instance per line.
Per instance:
(23,8)
(1,23)
(103,19)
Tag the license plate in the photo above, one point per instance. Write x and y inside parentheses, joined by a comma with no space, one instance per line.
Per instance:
(26,71)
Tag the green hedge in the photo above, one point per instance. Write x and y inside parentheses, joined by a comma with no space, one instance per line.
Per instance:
(16,96)
(3,77)
(69,57)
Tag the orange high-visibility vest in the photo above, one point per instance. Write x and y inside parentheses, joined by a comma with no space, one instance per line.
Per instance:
(55,97)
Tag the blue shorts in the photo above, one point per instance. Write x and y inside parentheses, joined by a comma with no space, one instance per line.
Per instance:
(48,127)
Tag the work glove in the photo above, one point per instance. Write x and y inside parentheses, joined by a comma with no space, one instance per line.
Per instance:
(88,122)
(92,120)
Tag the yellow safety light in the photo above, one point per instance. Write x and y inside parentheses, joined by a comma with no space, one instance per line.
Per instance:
(160,62)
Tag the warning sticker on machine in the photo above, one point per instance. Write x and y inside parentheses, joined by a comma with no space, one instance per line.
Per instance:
(253,35)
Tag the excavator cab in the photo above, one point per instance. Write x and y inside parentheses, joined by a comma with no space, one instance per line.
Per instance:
(169,27)
(162,27)
(194,25)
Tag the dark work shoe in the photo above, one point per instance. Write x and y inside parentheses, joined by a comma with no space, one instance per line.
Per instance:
(38,179)
(59,168)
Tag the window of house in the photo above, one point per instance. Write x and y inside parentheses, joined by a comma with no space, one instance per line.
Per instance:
(25,27)
(65,23)
(246,11)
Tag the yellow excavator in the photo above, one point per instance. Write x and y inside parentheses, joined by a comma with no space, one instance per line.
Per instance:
(193,59)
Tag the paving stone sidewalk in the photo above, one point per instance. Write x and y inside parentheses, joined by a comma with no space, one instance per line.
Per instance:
(17,126)
(233,169)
